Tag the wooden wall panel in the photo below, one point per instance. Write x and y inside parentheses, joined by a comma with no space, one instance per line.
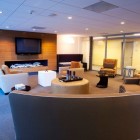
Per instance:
(7,47)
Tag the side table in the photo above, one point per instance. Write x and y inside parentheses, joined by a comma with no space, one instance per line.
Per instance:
(103,83)
(128,72)
(45,77)
(27,88)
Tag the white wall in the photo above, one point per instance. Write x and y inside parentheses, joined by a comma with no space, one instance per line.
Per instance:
(67,44)
(85,50)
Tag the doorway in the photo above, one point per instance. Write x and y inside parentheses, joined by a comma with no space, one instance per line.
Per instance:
(128,53)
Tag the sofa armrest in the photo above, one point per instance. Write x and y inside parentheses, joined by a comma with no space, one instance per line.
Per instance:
(9,80)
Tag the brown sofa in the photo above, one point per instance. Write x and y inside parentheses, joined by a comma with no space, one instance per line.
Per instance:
(75,117)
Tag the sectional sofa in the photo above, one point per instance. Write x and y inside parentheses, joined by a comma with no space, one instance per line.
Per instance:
(75,117)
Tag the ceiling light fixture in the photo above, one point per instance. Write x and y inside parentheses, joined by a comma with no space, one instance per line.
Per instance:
(122,23)
(70,17)
(86,29)
(0,12)
(69,39)
(121,31)
(34,29)
(100,37)
(7,27)
(137,34)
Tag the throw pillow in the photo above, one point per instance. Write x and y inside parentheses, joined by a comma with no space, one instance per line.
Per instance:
(75,64)
(122,89)
(109,65)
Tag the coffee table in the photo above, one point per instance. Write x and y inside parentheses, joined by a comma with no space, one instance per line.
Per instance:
(74,87)
(103,83)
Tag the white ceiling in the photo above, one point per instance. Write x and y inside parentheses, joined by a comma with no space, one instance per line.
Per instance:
(22,15)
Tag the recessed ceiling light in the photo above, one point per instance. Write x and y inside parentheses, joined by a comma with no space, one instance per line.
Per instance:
(121,31)
(7,27)
(86,29)
(0,12)
(122,22)
(70,17)
(33,29)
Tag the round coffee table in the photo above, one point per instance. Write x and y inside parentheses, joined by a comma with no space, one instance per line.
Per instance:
(75,87)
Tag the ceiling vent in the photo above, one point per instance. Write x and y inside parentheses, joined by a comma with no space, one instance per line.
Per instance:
(100,7)
(38,28)
(52,15)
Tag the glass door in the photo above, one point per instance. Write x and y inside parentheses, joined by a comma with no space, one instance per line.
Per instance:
(128,54)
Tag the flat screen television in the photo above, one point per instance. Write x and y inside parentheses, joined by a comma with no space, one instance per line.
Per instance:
(27,45)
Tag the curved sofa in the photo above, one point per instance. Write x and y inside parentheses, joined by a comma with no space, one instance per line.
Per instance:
(75,117)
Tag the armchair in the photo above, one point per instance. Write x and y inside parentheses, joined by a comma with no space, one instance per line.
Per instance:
(75,66)
(109,67)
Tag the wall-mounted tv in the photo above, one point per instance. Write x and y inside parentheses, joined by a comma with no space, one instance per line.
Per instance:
(27,45)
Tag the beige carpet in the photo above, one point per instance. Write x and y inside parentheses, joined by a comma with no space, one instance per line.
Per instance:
(113,84)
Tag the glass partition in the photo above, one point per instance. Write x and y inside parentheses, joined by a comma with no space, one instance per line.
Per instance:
(98,54)
(125,48)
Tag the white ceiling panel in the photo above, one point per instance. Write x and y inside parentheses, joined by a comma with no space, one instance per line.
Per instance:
(27,11)
(122,3)
(52,14)
(81,13)
(8,6)
(123,14)
(13,1)
(80,3)
(57,0)
(40,3)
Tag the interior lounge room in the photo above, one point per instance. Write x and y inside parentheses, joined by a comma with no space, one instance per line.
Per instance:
(69,70)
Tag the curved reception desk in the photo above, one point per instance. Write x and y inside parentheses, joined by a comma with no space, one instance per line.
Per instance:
(75,117)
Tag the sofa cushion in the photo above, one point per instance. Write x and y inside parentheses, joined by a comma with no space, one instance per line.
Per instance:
(109,65)
(75,64)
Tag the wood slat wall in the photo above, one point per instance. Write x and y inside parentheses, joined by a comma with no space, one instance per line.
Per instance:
(7,47)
